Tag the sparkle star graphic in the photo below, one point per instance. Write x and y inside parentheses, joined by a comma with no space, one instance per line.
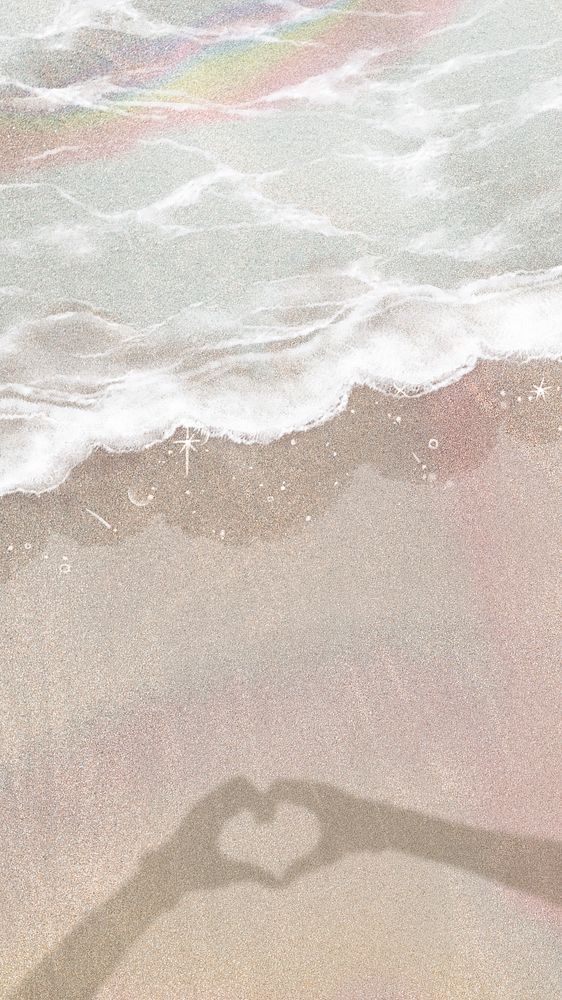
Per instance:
(188,444)
(540,391)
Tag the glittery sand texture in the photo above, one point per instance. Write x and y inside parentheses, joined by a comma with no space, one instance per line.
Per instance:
(279,500)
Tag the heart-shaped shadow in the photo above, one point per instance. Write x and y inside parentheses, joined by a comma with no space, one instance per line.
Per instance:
(272,845)
(304,826)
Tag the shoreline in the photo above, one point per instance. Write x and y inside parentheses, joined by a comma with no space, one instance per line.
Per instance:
(217,488)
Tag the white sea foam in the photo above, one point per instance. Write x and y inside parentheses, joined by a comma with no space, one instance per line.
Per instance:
(387,228)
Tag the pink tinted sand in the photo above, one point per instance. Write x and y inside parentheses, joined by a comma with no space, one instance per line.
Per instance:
(400,645)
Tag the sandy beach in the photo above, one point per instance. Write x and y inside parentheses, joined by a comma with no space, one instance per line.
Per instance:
(371,605)
(280,494)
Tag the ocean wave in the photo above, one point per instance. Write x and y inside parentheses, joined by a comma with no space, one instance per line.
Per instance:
(86,381)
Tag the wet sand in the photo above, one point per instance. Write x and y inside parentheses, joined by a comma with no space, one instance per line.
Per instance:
(373,605)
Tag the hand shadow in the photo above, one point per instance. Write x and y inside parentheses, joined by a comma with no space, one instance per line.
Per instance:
(191,860)
(188,861)
(352,825)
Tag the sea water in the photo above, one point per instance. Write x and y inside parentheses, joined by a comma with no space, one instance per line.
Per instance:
(225,216)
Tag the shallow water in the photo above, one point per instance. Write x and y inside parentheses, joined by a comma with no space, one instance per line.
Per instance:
(225,216)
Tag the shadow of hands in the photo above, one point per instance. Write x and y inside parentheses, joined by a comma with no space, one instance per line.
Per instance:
(352,825)
(348,824)
(191,858)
